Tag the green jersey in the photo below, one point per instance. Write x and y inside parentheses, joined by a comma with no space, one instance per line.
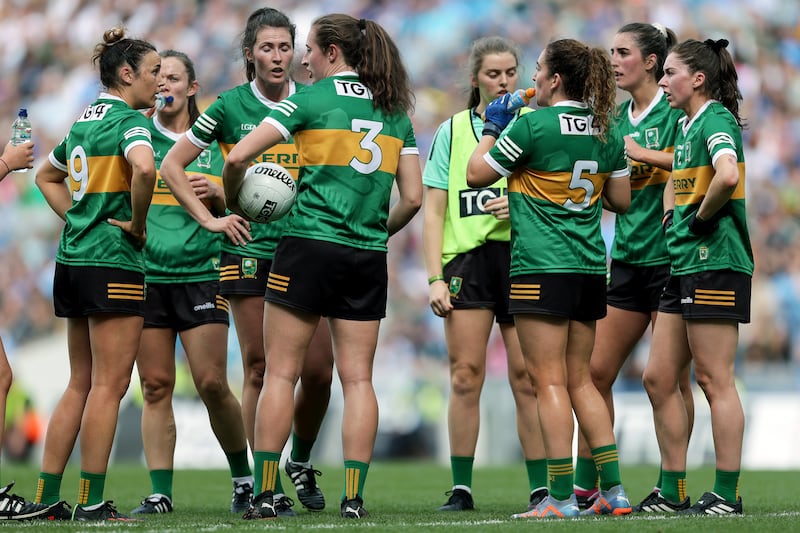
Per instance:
(178,249)
(94,155)
(712,133)
(638,239)
(227,120)
(348,152)
(559,169)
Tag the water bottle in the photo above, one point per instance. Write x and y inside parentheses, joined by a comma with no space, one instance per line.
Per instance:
(520,98)
(21,131)
(162,101)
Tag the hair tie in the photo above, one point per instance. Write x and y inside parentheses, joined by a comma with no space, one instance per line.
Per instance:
(362,25)
(661,29)
(717,45)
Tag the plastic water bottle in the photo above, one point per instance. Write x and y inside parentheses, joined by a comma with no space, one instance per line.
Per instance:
(162,101)
(520,98)
(21,131)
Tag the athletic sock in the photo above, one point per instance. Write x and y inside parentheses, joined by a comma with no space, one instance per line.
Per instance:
(726,485)
(673,486)
(585,473)
(91,488)
(301,449)
(267,472)
(561,478)
(48,488)
(537,473)
(355,474)
(461,468)
(161,482)
(607,460)
(239,464)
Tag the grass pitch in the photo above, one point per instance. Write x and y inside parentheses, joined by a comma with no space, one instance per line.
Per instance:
(403,496)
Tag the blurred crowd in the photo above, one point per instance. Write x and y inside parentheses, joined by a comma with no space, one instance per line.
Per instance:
(45,66)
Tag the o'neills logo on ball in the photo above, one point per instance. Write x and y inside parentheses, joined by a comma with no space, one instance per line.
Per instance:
(276,173)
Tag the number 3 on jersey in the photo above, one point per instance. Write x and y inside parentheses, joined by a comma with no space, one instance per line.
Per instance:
(373,129)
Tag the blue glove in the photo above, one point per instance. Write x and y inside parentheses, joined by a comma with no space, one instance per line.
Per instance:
(497,116)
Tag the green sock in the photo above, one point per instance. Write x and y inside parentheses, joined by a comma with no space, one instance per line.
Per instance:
(301,449)
(607,460)
(561,478)
(355,474)
(462,470)
(673,486)
(238,463)
(91,488)
(161,482)
(660,478)
(48,488)
(267,472)
(585,473)
(537,473)
(726,485)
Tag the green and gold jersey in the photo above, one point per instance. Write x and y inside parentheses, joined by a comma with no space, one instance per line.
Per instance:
(559,169)
(348,154)
(227,120)
(93,154)
(178,249)
(467,225)
(711,133)
(638,239)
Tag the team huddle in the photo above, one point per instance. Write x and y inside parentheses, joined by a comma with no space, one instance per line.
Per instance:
(157,246)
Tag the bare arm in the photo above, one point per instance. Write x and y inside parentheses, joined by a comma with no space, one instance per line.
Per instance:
(51,181)
(722,186)
(657,158)
(409,184)
(434,211)
(479,173)
(182,153)
(617,194)
(143,180)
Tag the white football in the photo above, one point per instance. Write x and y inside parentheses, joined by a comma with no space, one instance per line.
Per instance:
(268,192)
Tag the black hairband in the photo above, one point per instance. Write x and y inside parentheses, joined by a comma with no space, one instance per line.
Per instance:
(717,45)
(362,24)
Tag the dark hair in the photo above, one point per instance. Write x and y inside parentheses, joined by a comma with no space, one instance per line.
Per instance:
(266,17)
(370,50)
(478,51)
(194,110)
(115,51)
(713,59)
(652,39)
(587,77)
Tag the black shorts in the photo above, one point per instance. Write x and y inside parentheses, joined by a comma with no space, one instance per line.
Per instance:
(242,276)
(574,296)
(721,294)
(182,306)
(479,279)
(80,291)
(328,279)
(636,288)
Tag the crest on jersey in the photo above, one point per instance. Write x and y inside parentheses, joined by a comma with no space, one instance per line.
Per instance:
(455,286)
(651,138)
(249,267)
(204,159)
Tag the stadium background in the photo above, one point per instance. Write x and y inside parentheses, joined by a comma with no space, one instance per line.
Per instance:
(45,66)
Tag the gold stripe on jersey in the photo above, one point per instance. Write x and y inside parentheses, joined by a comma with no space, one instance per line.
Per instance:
(229,273)
(223,304)
(125,291)
(283,154)
(341,147)
(525,291)
(691,184)
(554,186)
(644,175)
(715,297)
(277,282)
(107,174)
(162,195)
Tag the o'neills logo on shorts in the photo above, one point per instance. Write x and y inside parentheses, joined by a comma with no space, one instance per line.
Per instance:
(207,305)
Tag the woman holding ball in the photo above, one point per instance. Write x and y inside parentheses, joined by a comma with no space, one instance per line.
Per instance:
(355,139)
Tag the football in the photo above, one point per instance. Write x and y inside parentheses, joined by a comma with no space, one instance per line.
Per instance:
(268,192)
